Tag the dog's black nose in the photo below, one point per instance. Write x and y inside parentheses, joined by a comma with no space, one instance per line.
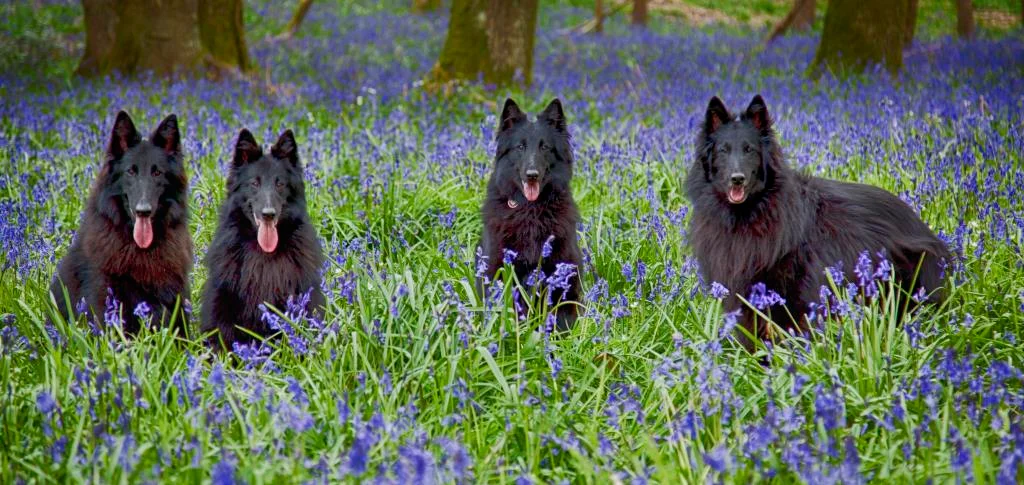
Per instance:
(269,213)
(143,209)
(532,174)
(738,178)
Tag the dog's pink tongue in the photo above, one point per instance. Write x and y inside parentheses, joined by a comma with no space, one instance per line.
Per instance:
(267,237)
(736,195)
(531,190)
(143,233)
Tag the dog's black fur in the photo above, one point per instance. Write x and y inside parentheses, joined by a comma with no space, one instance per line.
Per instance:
(535,158)
(263,189)
(756,220)
(142,185)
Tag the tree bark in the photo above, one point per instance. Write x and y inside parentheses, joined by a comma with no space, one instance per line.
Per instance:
(598,17)
(859,33)
(223,33)
(640,13)
(165,37)
(300,14)
(424,6)
(464,55)
(965,19)
(800,17)
(911,25)
(100,22)
(639,17)
(490,37)
(511,29)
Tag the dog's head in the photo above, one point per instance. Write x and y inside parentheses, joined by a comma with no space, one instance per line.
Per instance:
(267,188)
(532,155)
(144,180)
(738,154)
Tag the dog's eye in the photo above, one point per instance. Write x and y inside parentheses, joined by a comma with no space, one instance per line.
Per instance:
(522,146)
(748,149)
(133,170)
(723,149)
(157,172)
(280,184)
(255,182)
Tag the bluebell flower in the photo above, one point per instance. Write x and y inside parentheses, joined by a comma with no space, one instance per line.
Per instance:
(719,459)
(545,250)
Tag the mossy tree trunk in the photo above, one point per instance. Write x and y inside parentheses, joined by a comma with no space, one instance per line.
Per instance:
(511,28)
(639,17)
(859,33)
(100,23)
(162,36)
(464,55)
(492,38)
(222,32)
(965,19)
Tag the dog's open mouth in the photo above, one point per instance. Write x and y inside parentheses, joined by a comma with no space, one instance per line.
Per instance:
(737,195)
(531,190)
(143,233)
(266,234)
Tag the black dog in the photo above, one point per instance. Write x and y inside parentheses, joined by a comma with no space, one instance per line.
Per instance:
(529,201)
(265,249)
(755,220)
(133,243)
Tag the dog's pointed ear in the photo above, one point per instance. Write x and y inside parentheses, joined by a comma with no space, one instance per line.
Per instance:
(511,116)
(553,114)
(123,137)
(247,150)
(757,113)
(285,148)
(716,115)
(167,136)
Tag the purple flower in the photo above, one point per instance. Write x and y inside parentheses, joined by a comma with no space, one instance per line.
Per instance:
(718,291)
(45,403)
(545,250)
(562,277)
(509,256)
(719,459)
(223,472)
(217,380)
(729,323)
(762,298)
(143,310)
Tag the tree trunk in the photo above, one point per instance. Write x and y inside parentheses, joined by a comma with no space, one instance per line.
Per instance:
(490,37)
(911,25)
(598,17)
(162,36)
(223,33)
(300,14)
(640,13)
(511,28)
(965,19)
(424,6)
(464,55)
(859,33)
(800,17)
(100,22)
